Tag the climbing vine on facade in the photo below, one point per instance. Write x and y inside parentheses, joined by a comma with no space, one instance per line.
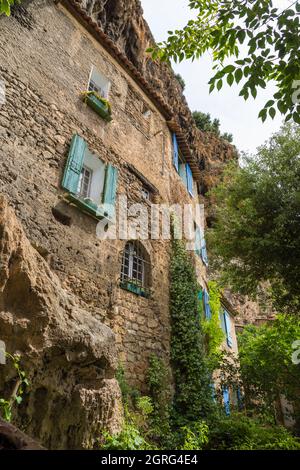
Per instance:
(193,398)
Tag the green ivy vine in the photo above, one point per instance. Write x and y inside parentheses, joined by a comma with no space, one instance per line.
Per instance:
(193,398)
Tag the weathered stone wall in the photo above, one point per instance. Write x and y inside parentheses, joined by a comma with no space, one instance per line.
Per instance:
(69,356)
(45,66)
(42,111)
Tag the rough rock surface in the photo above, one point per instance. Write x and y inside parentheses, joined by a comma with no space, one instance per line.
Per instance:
(12,438)
(68,355)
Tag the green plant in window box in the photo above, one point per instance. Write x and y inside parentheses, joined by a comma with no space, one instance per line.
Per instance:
(99,104)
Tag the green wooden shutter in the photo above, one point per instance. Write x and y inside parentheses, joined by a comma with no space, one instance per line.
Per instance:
(110,191)
(74,164)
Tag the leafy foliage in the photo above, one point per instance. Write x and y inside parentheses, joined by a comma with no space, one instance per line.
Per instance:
(195,438)
(158,379)
(192,400)
(181,81)
(256,233)
(226,28)
(131,437)
(212,328)
(5,6)
(267,368)
(205,123)
(239,432)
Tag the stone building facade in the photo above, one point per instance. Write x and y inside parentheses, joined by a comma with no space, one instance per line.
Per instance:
(79,315)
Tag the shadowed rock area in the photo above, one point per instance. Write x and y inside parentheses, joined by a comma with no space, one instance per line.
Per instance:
(68,355)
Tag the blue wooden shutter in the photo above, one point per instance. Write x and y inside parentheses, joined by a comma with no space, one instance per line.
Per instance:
(74,164)
(110,191)
(198,241)
(228,328)
(222,322)
(226,399)
(175,152)
(204,251)
(207,306)
(189,176)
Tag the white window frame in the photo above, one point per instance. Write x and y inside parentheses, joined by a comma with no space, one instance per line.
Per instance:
(85,171)
(99,83)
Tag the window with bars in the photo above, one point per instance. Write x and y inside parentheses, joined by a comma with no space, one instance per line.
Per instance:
(135,270)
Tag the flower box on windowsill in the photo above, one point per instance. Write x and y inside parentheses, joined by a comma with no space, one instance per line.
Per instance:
(135,289)
(100,105)
(90,207)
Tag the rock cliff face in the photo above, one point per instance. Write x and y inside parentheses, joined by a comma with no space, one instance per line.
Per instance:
(68,355)
(123,22)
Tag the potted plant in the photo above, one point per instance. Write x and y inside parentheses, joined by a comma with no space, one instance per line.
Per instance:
(99,104)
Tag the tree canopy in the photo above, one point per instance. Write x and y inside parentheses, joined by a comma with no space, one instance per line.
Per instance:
(251,43)
(205,123)
(255,237)
(267,368)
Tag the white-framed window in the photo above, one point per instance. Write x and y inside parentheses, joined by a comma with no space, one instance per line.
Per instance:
(135,265)
(85,182)
(92,178)
(90,183)
(99,83)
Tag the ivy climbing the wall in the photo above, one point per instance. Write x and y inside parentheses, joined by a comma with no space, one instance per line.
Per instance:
(193,398)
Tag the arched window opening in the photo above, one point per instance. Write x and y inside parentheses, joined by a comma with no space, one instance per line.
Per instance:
(135,271)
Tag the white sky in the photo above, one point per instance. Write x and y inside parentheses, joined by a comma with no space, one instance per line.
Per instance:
(237,116)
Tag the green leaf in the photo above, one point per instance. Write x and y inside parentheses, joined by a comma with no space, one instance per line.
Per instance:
(238,75)
(230,79)
(272,112)
(296,117)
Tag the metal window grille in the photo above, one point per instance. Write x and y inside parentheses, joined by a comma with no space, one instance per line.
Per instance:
(135,267)
(84,183)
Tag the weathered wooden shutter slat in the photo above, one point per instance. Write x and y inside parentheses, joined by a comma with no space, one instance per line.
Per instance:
(190,183)
(207,306)
(228,328)
(74,164)
(204,251)
(175,152)
(110,190)
(198,241)
(226,399)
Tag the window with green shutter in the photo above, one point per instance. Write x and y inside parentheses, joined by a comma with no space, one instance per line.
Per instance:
(74,164)
(91,184)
